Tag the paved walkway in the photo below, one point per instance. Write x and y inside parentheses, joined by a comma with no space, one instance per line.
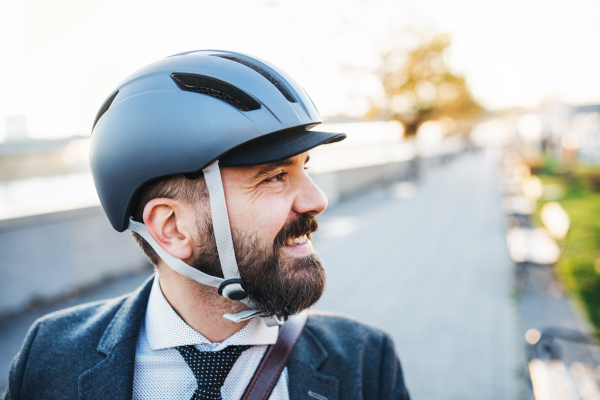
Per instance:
(431,269)
(544,306)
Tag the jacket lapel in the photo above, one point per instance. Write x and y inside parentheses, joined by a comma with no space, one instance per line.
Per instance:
(113,377)
(305,381)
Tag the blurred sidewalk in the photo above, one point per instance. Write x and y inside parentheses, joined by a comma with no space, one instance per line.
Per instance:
(426,262)
(433,270)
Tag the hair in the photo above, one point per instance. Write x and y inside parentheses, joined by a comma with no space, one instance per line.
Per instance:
(175,187)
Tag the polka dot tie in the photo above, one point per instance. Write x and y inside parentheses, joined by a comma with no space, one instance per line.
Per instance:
(210,368)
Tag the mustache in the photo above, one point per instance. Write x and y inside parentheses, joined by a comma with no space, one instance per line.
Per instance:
(304,224)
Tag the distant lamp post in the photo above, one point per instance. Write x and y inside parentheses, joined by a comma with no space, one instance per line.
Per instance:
(532,187)
(570,144)
(556,220)
(570,141)
(530,128)
(532,245)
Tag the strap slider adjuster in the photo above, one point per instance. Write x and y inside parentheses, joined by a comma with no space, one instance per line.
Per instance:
(233,293)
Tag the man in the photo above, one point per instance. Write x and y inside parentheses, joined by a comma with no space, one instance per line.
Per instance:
(202,156)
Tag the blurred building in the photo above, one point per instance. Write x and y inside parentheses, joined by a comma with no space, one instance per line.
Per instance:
(553,127)
(22,157)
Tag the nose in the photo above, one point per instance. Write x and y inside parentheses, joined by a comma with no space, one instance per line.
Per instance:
(310,198)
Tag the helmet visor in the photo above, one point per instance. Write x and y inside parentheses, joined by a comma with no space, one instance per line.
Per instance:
(277,146)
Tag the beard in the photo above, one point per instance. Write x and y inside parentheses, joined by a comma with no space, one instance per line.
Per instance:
(277,284)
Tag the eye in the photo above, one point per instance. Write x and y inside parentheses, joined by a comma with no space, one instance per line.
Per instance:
(276,178)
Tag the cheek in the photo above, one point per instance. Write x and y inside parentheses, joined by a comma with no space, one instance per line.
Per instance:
(269,223)
(263,220)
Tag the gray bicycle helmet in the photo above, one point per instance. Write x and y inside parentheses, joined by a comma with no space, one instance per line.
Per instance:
(191,112)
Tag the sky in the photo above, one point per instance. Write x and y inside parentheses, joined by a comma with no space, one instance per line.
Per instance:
(62,58)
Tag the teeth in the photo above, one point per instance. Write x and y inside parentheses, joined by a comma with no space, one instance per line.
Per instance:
(298,240)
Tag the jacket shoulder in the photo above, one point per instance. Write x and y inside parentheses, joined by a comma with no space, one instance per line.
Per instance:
(61,344)
(80,324)
(360,356)
(60,347)
(337,332)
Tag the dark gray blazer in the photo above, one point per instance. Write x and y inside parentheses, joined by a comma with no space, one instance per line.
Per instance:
(88,352)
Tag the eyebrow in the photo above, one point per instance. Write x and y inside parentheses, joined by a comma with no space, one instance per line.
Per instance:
(266,169)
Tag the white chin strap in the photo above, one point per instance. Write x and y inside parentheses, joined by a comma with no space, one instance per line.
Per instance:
(229,287)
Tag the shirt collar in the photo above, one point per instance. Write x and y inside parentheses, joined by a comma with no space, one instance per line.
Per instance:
(165,328)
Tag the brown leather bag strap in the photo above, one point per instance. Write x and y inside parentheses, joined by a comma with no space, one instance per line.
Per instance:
(270,367)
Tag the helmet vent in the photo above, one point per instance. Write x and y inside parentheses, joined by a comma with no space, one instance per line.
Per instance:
(265,74)
(217,89)
(104,108)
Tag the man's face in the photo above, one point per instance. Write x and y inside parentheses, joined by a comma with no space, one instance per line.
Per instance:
(272,211)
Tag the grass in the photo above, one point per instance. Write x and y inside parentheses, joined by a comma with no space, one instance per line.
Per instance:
(579,265)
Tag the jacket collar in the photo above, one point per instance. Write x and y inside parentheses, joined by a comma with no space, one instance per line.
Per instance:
(113,377)
(305,379)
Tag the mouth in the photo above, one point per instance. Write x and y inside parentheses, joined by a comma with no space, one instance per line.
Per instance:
(296,241)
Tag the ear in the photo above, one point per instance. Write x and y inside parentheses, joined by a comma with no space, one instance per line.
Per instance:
(170,224)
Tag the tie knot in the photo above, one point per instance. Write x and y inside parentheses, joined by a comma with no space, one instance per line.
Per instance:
(210,368)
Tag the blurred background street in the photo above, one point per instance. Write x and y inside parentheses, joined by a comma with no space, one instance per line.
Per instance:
(433,270)
(464,206)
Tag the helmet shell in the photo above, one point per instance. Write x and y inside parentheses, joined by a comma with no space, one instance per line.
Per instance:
(150,128)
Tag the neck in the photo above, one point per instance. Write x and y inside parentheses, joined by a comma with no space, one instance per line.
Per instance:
(200,306)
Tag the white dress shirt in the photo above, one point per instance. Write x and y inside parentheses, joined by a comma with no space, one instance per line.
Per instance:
(162,373)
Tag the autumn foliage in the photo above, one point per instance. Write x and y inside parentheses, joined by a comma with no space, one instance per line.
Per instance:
(420,87)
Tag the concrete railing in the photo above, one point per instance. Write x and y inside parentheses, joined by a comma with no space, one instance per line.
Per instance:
(48,256)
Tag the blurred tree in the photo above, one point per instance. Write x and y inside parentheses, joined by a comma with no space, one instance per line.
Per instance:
(420,87)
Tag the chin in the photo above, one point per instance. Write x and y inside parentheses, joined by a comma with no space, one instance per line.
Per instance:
(296,284)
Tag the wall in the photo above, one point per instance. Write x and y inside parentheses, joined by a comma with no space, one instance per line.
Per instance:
(48,256)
